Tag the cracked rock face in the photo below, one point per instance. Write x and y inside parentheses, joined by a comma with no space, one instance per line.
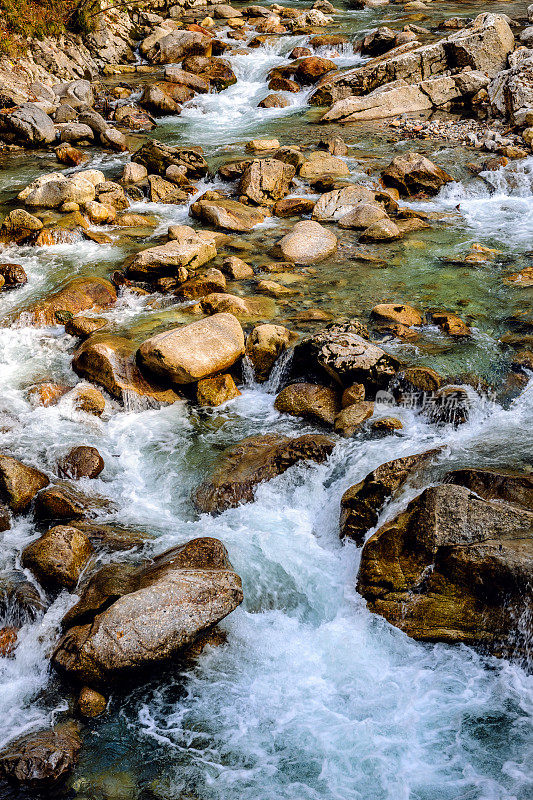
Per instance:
(455,567)
(132,619)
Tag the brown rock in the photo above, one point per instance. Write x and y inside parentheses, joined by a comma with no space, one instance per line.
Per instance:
(253,460)
(423,378)
(396,312)
(274,101)
(84,326)
(294,207)
(91,704)
(280,84)
(308,243)
(412,173)
(195,351)
(212,280)
(65,501)
(384,230)
(387,425)
(264,345)
(41,759)
(216,71)
(237,269)
(157,157)
(449,323)
(58,557)
(266,180)
(353,394)
(352,417)
(19,483)
(310,69)
(227,215)
(81,462)
(453,567)
(13,274)
(88,399)
(109,361)
(217,390)
(80,294)
(361,504)
(46,394)
(8,641)
(319,404)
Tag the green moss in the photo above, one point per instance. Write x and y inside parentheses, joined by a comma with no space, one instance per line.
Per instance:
(23,19)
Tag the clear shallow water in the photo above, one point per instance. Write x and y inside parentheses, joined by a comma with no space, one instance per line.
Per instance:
(312,697)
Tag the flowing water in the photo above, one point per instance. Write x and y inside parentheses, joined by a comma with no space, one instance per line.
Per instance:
(312,697)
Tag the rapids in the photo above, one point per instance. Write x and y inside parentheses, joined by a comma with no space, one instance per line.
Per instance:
(312,697)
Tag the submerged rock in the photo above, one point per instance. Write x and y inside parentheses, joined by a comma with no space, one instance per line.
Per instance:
(131,620)
(41,759)
(453,567)
(253,460)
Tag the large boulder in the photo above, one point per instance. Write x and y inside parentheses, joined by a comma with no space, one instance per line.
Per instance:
(484,45)
(63,501)
(149,616)
(192,352)
(19,483)
(346,356)
(20,226)
(226,214)
(307,243)
(157,157)
(266,180)
(412,173)
(453,567)
(58,557)
(29,125)
(362,503)
(254,460)
(109,361)
(190,250)
(511,91)
(177,45)
(80,294)
(81,462)
(41,759)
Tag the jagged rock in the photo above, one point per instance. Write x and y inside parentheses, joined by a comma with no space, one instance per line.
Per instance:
(319,404)
(58,557)
(253,460)
(307,243)
(361,504)
(345,356)
(453,567)
(163,191)
(157,157)
(412,173)
(192,352)
(338,203)
(511,91)
(109,361)
(183,78)
(19,483)
(267,180)
(80,294)
(212,280)
(129,620)
(41,759)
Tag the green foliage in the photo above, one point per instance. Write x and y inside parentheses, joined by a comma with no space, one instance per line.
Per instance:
(23,19)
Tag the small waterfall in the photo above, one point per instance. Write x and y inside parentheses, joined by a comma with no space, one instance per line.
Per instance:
(279,371)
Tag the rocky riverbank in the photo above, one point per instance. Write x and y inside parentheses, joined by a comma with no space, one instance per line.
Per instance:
(304,318)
